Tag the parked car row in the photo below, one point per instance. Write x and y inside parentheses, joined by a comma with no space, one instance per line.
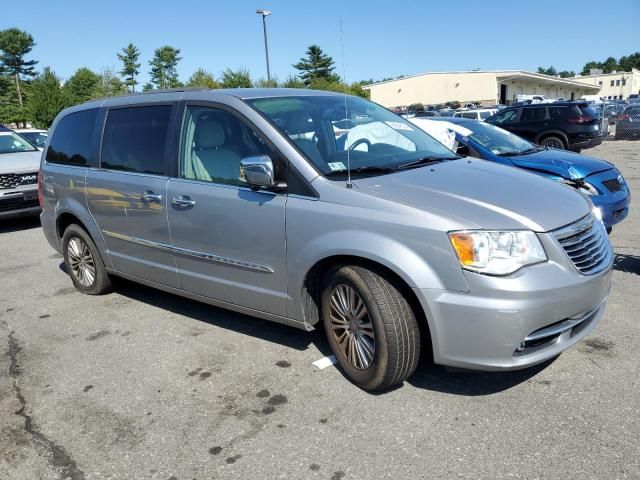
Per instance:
(381,236)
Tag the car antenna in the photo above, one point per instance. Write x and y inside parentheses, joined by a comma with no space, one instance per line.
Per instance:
(346,111)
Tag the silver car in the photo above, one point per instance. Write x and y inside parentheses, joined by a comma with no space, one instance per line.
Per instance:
(254,200)
(19,165)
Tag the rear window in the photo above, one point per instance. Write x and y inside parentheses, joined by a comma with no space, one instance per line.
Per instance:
(71,143)
(134,139)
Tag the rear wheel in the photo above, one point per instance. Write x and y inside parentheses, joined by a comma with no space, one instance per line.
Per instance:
(83,262)
(370,326)
(553,142)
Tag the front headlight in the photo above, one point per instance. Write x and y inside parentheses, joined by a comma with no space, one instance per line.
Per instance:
(584,187)
(497,253)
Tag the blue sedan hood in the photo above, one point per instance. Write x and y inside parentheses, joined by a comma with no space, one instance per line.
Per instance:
(562,163)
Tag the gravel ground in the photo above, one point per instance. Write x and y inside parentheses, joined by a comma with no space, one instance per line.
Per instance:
(140,384)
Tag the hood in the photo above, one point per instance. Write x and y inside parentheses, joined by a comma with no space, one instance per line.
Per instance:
(485,194)
(562,163)
(20,162)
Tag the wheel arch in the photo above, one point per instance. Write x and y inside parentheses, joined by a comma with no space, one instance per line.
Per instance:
(70,215)
(553,133)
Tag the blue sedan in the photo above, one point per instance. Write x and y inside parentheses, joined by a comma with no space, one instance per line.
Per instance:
(598,179)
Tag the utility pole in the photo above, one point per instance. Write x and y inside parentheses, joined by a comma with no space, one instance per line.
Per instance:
(265,14)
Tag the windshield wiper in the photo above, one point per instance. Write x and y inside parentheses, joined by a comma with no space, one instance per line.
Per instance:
(367,169)
(518,152)
(424,161)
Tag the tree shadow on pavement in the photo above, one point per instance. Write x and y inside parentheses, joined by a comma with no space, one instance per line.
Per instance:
(627,263)
(219,317)
(19,223)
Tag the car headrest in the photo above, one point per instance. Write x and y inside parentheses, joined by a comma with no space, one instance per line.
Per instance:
(209,133)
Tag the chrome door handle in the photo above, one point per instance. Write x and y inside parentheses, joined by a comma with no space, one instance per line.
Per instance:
(149,197)
(183,201)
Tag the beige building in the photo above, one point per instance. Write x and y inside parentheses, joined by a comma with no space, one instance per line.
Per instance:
(488,87)
(613,85)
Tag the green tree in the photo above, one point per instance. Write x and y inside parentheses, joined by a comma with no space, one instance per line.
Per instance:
(82,85)
(292,81)
(609,65)
(163,67)
(567,73)
(46,99)
(202,78)
(109,84)
(130,66)
(626,63)
(589,65)
(548,71)
(266,83)
(147,86)
(236,78)
(15,45)
(316,65)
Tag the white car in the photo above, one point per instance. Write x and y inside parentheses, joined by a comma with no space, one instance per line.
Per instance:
(476,114)
(35,136)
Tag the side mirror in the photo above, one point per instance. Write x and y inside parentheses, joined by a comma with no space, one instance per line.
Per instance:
(462,150)
(258,172)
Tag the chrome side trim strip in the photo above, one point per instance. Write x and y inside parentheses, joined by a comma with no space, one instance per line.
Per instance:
(209,257)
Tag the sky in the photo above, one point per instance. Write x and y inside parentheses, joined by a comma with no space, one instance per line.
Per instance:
(381,38)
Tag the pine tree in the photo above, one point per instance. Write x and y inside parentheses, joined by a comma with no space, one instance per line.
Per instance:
(82,85)
(202,78)
(15,45)
(130,66)
(163,67)
(316,65)
(46,99)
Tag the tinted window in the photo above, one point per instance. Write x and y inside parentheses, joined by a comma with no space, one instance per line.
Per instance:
(472,115)
(134,139)
(533,114)
(506,117)
(71,140)
(214,141)
(556,112)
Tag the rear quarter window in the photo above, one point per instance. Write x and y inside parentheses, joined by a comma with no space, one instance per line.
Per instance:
(71,143)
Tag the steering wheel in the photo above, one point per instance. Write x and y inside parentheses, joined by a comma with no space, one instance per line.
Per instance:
(360,142)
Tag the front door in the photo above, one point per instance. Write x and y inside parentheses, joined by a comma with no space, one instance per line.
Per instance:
(228,240)
(127,195)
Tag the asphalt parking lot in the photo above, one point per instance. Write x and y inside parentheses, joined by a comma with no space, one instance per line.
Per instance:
(140,384)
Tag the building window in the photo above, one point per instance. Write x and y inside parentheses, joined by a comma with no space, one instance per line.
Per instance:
(600,82)
(617,83)
(613,83)
(624,82)
(609,97)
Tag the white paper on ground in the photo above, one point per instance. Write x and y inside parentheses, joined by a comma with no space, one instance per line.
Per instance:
(325,362)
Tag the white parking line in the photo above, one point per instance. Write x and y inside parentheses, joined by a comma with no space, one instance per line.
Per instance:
(325,362)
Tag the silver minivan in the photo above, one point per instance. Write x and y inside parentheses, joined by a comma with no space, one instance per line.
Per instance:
(263,202)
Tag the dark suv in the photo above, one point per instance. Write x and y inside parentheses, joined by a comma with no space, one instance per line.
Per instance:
(567,125)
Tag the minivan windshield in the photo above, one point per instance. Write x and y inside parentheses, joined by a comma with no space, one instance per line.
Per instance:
(497,140)
(332,131)
(13,143)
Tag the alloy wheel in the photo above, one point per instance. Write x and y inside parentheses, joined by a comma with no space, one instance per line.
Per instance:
(351,326)
(81,261)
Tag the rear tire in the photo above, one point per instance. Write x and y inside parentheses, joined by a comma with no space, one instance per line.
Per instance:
(370,326)
(83,262)
(553,142)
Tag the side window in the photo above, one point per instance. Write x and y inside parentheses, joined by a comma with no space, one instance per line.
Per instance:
(485,115)
(506,117)
(213,143)
(472,115)
(556,112)
(134,139)
(71,143)
(533,114)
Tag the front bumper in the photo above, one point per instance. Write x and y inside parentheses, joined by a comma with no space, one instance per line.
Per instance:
(19,203)
(499,323)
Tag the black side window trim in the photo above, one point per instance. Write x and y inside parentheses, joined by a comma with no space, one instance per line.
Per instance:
(289,169)
(169,141)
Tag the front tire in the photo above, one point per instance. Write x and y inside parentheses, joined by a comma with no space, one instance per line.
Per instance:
(370,326)
(83,262)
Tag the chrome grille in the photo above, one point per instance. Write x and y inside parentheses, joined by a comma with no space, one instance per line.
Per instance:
(587,245)
(13,180)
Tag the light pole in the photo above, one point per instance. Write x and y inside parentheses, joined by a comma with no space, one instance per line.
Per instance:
(265,14)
